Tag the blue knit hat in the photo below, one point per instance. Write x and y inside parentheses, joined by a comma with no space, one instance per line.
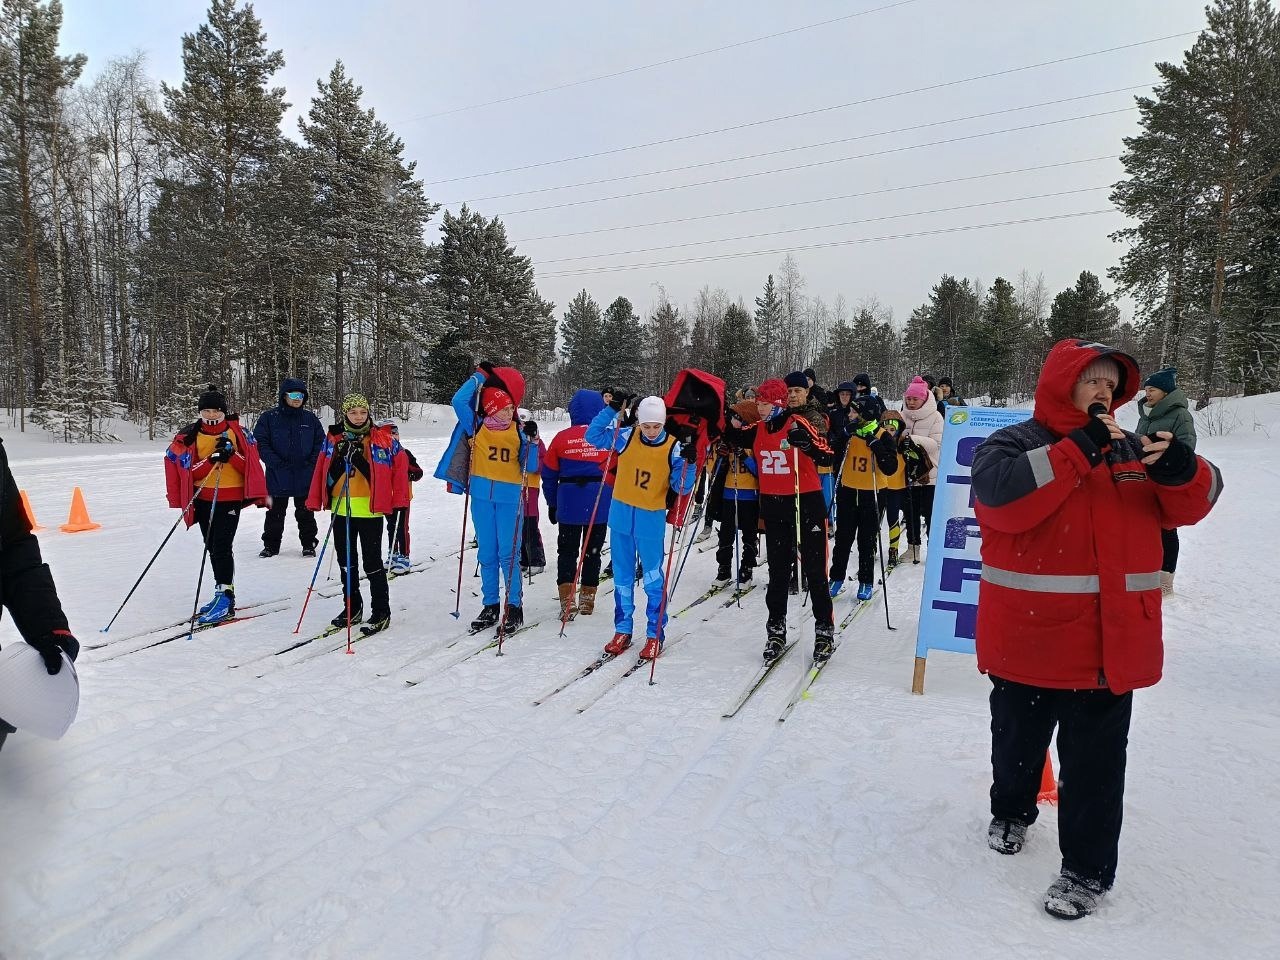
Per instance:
(1163,380)
(796,378)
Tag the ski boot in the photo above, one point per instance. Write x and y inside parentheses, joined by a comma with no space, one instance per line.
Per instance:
(893,556)
(308,549)
(723,575)
(399,564)
(587,601)
(864,591)
(513,620)
(652,649)
(914,550)
(378,621)
(357,615)
(489,615)
(776,641)
(824,643)
(222,607)
(618,645)
(744,576)
(268,552)
(836,587)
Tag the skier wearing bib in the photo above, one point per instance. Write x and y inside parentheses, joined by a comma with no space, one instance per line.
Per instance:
(870,459)
(650,462)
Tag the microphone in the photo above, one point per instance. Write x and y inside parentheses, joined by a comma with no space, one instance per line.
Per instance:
(1097,409)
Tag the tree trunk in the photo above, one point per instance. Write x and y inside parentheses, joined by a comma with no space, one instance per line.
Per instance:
(338,385)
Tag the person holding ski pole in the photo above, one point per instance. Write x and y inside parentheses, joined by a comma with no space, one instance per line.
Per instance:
(870,459)
(26,585)
(500,457)
(578,502)
(788,450)
(892,494)
(398,541)
(215,442)
(533,552)
(739,511)
(650,461)
(361,475)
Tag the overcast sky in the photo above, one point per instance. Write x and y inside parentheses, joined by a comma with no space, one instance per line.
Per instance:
(417,61)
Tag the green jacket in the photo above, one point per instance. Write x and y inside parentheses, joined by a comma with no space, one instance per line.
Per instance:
(1170,414)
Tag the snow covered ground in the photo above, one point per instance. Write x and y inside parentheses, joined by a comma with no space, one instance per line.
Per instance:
(323,810)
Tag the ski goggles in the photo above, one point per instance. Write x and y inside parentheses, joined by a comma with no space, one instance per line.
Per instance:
(295,395)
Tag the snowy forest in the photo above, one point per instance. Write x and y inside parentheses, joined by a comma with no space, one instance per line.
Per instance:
(155,238)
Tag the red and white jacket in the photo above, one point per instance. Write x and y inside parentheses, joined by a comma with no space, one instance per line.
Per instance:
(1071,553)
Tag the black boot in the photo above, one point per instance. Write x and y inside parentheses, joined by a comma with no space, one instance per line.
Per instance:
(777,639)
(488,616)
(722,574)
(357,614)
(514,619)
(823,642)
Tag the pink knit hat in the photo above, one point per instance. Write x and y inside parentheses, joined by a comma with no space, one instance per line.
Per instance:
(917,388)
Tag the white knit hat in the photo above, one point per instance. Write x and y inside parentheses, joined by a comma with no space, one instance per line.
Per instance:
(523,415)
(1101,367)
(651,410)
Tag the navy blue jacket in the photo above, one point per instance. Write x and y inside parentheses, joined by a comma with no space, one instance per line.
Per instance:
(289,442)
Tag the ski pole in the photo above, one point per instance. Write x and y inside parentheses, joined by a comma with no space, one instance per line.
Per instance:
(884,576)
(346,479)
(466,503)
(795,469)
(586,539)
(667,586)
(155,556)
(686,548)
(515,545)
(737,551)
(204,555)
(391,545)
(315,573)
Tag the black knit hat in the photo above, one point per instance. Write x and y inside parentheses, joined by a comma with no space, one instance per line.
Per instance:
(808,372)
(796,378)
(212,399)
(862,380)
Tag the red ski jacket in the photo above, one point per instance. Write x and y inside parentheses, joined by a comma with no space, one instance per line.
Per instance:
(1070,590)
(388,471)
(182,468)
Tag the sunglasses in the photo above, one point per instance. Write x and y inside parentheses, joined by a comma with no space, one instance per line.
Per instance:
(295,395)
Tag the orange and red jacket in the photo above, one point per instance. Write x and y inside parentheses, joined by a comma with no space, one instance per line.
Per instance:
(388,470)
(775,457)
(1070,591)
(184,470)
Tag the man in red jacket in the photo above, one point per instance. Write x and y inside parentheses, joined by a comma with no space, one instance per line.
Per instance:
(1070,508)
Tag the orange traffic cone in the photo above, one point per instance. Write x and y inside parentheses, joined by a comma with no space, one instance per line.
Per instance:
(31,514)
(79,520)
(1048,785)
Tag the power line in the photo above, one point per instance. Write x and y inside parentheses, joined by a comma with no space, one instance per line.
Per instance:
(829,226)
(806,203)
(590,271)
(817,163)
(659,63)
(811,146)
(818,110)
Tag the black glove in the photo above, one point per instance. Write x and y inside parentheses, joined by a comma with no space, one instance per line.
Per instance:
(486,368)
(223,450)
(551,515)
(1176,466)
(346,449)
(689,450)
(51,646)
(800,438)
(621,399)
(530,430)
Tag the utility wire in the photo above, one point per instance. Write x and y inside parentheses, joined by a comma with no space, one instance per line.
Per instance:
(941,85)
(823,246)
(660,63)
(827,226)
(817,163)
(811,146)
(806,203)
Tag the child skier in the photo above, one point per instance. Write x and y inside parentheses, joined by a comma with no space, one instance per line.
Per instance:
(398,523)
(788,451)
(739,511)
(649,462)
(533,554)
(220,458)
(573,483)
(491,456)
(361,476)
(893,493)
(869,460)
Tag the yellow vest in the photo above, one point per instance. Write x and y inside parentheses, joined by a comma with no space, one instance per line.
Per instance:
(497,454)
(644,473)
(231,479)
(361,495)
(860,465)
(738,477)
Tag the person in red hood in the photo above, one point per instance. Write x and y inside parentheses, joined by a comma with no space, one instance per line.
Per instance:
(1070,508)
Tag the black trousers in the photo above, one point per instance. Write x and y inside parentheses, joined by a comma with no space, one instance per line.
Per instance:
(858,519)
(569,549)
(1093,738)
(366,544)
(1169,540)
(273,527)
(779,515)
(218,527)
(532,551)
(398,530)
(741,515)
(919,507)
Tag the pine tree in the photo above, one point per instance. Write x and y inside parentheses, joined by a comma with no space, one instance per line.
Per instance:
(582,342)
(624,342)
(735,348)
(667,339)
(1084,311)
(769,327)
(991,344)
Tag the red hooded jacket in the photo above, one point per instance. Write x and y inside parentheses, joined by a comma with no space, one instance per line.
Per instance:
(182,468)
(388,470)
(1070,590)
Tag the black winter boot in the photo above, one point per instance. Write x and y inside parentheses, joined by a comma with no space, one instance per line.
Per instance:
(488,616)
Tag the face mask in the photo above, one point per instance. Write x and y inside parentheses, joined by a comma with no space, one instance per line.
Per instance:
(497,423)
(215,421)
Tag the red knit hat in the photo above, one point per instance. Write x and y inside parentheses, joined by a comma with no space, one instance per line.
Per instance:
(494,400)
(772,391)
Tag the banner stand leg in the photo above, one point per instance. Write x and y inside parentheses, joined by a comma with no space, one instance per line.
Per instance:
(917,677)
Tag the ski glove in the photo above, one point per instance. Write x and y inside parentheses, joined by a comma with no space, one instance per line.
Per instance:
(486,368)
(800,438)
(620,400)
(51,645)
(689,451)
(223,451)
(530,429)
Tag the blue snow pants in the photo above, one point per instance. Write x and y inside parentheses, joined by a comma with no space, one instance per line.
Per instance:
(496,526)
(624,549)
